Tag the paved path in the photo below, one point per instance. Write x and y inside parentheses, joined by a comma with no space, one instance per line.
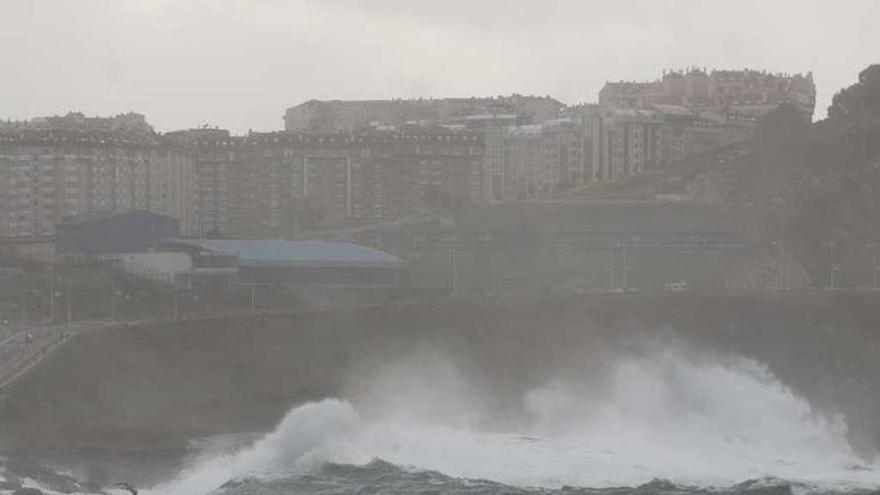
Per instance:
(23,349)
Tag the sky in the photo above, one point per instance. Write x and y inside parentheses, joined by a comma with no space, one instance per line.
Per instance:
(239,64)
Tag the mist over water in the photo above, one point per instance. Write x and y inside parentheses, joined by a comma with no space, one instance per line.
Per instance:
(663,414)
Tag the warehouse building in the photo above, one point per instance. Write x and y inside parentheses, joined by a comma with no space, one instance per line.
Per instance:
(301,264)
(105,233)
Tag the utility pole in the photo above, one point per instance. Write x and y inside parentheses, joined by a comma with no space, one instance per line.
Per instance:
(780,271)
(790,268)
(624,277)
(452,281)
(877,266)
(611,270)
(253,294)
(832,266)
(24,311)
(176,303)
(69,301)
(52,292)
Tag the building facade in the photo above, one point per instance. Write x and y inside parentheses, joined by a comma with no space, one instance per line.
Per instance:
(528,161)
(342,164)
(746,94)
(100,233)
(272,184)
(51,170)
(350,115)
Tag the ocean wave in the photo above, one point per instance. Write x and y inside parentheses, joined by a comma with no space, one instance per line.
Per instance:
(379,476)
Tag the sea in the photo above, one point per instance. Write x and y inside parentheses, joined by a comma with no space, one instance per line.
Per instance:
(662,424)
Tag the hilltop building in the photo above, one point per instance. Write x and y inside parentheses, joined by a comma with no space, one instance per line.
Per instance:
(351,115)
(341,164)
(747,94)
(627,142)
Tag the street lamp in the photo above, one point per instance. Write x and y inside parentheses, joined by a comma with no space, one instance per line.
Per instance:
(69,301)
(113,296)
(52,292)
(781,274)
(611,286)
(832,266)
(876,270)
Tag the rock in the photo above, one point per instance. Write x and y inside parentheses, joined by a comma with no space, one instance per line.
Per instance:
(9,486)
(27,491)
(25,467)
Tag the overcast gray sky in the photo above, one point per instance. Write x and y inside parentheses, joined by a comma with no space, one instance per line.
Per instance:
(240,63)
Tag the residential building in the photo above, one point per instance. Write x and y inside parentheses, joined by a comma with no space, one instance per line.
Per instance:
(272,184)
(60,167)
(746,94)
(350,115)
(527,161)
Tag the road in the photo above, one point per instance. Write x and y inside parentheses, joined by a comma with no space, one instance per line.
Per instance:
(22,349)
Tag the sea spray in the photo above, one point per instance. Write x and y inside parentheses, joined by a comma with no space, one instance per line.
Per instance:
(307,435)
(661,415)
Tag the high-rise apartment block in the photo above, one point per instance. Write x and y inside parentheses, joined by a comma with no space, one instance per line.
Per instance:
(276,183)
(339,115)
(341,164)
(55,168)
(744,93)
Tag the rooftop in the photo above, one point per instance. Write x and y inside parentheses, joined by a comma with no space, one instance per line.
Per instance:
(316,254)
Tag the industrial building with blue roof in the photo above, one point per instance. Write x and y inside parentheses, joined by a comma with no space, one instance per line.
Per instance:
(324,254)
(301,264)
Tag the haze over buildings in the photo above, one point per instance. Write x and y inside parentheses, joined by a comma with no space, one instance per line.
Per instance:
(238,64)
(344,164)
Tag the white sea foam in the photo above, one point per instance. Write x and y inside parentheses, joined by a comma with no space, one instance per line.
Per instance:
(658,416)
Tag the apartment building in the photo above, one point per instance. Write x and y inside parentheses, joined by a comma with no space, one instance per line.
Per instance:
(527,161)
(272,184)
(352,115)
(63,167)
(746,94)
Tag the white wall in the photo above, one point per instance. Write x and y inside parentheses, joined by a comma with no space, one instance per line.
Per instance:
(156,262)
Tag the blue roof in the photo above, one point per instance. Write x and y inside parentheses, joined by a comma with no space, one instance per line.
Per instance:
(302,253)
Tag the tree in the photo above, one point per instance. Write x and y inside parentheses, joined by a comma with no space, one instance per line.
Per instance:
(784,129)
(859,99)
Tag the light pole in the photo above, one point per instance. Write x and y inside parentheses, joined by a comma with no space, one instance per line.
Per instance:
(253,294)
(452,281)
(52,292)
(113,296)
(24,312)
(876,267)
(69,301)
(780,270)
(789,268)
(176,303)
(780,265)
(611,270)
(832,267)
